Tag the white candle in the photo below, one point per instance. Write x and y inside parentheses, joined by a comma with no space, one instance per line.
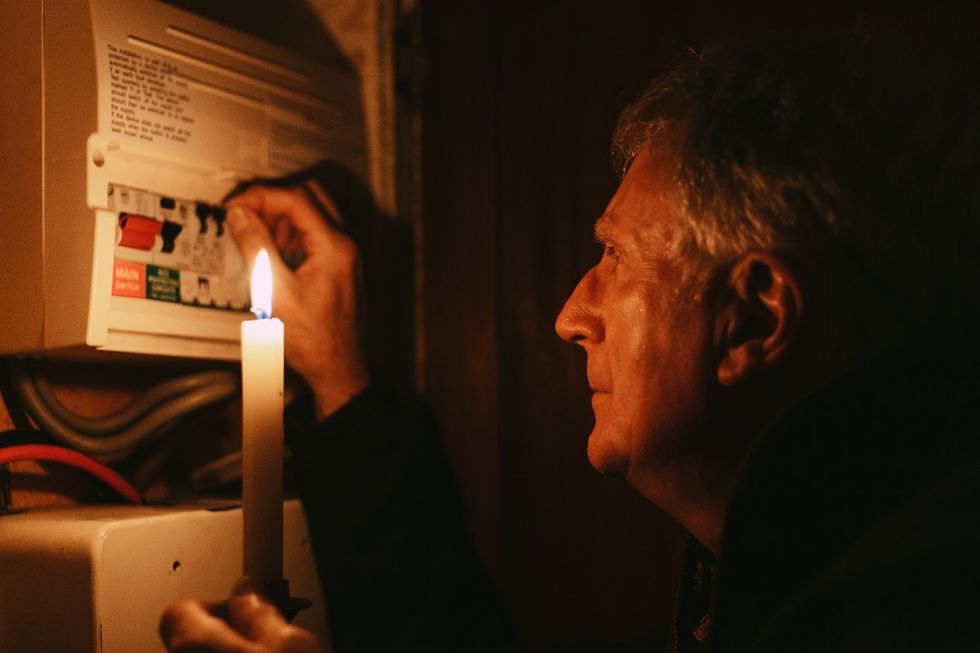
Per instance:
(262,383)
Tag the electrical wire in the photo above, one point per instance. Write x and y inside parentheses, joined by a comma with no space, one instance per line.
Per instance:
(133,411)
(115,446)
(72,458)
(145,471)
(147,429)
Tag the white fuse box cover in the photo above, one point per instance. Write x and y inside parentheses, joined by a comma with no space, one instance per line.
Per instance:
(97,578)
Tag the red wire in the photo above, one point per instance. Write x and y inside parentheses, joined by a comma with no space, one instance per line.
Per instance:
(73,458)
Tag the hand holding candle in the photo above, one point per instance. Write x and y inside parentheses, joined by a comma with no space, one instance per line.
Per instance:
(262,434)
(321,298)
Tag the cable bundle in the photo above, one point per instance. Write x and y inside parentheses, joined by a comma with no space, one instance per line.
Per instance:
(114,436)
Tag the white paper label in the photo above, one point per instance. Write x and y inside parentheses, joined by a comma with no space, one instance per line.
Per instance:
(147,101)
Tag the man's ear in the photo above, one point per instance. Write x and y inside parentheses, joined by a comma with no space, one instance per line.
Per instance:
(762,320)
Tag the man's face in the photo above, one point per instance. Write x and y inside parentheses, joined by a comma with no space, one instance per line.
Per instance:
(647,340)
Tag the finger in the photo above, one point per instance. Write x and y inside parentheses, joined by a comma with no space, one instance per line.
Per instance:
(293,203)
(189,627)
(298,640)
(249,585)
(284,232)
(326,202)
(255,617)
(249,232)
(290,243)
(251,235)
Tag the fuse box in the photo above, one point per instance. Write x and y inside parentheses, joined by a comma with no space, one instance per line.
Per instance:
(98,578)
(124,125)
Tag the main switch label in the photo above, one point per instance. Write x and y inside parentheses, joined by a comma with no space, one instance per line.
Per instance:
(128,279)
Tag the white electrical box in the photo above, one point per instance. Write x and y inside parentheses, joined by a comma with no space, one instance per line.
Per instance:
(124,123)
(97,578)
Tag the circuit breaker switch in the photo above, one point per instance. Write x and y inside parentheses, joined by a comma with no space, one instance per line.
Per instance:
(202,211)
(219,218)
(139,232)
(169,233)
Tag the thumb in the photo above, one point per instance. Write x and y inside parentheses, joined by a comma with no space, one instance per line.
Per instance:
(251,235)
(251,613)
(250,585)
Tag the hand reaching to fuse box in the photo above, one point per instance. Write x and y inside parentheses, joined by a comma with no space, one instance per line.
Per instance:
(317,284)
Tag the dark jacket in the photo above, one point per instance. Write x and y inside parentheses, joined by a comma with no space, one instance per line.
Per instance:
(397,563)
(855,525)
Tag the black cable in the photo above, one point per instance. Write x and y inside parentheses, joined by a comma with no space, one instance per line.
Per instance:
(133,412)
(118,445)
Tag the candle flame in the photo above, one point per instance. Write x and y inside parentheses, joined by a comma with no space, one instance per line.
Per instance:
(262,286)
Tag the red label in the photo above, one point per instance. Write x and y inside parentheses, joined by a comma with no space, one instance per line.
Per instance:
(128,279)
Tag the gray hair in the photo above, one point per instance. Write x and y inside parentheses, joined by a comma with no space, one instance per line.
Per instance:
(857,156)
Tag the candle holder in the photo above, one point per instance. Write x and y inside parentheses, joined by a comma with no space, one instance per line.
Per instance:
(277,592)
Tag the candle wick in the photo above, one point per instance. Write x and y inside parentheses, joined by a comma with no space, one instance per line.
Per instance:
(261,313)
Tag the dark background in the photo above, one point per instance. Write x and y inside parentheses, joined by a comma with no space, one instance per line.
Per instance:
(519,103)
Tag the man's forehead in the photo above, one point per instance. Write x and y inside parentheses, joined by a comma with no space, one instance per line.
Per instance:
(645,210)
(623,230)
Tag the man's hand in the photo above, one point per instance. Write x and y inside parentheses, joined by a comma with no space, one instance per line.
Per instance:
(320,299)
(253,625)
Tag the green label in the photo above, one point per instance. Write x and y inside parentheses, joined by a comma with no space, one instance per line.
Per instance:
(162,284)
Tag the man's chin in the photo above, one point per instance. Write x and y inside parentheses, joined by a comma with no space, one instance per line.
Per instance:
(605,456)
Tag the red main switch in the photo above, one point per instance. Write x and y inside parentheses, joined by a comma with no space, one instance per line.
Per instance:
(138,232)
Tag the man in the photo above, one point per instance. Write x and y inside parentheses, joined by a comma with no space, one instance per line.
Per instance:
(779,347)
(794,239)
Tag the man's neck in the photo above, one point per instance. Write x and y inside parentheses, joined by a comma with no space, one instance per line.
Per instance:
(691,493)
(694,484)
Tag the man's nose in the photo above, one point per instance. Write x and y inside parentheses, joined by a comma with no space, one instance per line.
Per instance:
(579,321)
